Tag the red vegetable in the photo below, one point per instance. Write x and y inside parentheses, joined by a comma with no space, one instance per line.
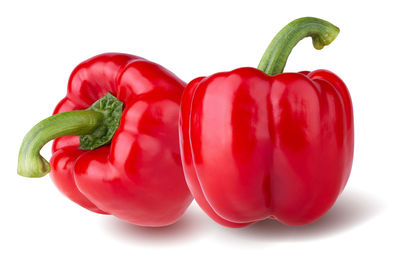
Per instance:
(258,143)
(126,162)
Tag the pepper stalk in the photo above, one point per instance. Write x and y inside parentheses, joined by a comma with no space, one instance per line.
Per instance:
(95,127)
(275,57)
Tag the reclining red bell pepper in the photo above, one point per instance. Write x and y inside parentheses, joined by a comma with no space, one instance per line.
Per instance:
(259,143)
(126,161)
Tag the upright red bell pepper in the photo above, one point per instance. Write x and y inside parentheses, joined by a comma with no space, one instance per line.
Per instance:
(126,161)
(259,143)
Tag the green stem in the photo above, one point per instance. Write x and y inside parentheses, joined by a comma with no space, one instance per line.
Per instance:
(277,53)
(95,127)
(70,123)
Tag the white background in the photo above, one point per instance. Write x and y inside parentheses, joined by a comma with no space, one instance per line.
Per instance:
(41,42)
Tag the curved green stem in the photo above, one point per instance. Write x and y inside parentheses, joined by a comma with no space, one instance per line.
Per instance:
(70,123)
(95,127)
(277,53)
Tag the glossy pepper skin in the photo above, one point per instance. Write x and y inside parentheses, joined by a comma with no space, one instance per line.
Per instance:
(138,177)
(256,146)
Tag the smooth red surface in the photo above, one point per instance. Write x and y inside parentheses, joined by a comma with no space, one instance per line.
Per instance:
(255,146)
(139,177)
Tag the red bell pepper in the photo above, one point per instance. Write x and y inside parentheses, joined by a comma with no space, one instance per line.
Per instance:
(126,161)
(259,143)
